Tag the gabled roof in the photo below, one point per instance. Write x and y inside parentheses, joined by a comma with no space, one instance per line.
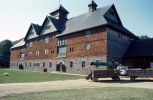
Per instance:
(92,20)
(55,22)
(140,48)
(86,21)
(60,8)
(36,27)
(19,44)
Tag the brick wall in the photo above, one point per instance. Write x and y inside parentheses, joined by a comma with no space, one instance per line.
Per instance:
(79,40)
(40,45)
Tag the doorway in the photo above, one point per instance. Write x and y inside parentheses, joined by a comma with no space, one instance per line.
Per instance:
(61,67)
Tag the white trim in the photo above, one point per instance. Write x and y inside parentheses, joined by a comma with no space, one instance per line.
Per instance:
(61,61)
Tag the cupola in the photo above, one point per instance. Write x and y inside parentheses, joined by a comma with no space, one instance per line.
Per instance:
(92,6)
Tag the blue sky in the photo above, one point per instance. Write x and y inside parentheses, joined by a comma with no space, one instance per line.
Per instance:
(17,15)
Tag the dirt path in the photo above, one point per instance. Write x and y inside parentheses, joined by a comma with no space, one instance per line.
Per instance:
(7,89)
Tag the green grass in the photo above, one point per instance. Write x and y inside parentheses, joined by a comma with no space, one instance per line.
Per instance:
(87,94)
(17,76)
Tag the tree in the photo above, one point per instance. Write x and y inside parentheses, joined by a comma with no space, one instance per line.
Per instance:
(144,37)
(5,52)
(5,47)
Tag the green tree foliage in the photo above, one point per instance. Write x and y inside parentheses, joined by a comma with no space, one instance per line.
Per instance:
(5,48)
(144,37)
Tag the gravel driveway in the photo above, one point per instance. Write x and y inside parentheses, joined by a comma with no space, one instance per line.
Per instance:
(7,89)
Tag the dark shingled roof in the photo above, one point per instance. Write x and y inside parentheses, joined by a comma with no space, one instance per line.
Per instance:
(139,48)
(91,20)
(83,22)
(37,28)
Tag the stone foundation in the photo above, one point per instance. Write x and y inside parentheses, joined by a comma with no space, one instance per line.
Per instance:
(51,65)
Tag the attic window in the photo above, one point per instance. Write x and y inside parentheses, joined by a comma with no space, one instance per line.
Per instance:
(48,27)
(111,13)
(32,33)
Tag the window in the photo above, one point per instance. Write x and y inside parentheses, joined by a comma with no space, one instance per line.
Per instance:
(119,35)
(26,64)
(30,44)
(71,63)
(61,50)
(50,64)
(83,64)
(38,64)
(87,46)
(111,13)
(46,40)
(46,51)
(22,55)
(72,49)
(88,33)
(52,51)
(43,64)
(30,54)
(32,33)
(30,64)
(48,27)
(62,42)
(37,53)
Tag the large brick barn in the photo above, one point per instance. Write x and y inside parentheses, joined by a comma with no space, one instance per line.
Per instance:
(70,45)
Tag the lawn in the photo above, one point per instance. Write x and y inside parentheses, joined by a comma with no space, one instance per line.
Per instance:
(17,76)
(87,94)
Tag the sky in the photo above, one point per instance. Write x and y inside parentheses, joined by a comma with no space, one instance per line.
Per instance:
(17,15)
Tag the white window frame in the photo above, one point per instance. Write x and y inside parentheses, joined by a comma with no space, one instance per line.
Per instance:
(37,53)
(86,46)
(46,51)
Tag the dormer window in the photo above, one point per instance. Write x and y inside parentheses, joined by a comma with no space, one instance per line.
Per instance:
(48,27)
(32,33)
(111,13)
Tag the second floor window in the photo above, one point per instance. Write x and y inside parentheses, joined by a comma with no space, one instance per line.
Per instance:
(72,49)
(30,54)
(22,55)
(46,51)
(87,46)
(37,53)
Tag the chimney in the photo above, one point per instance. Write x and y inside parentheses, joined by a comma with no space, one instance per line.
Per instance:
(92,6)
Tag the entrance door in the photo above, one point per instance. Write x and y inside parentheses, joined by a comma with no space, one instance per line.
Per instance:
(61,67)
